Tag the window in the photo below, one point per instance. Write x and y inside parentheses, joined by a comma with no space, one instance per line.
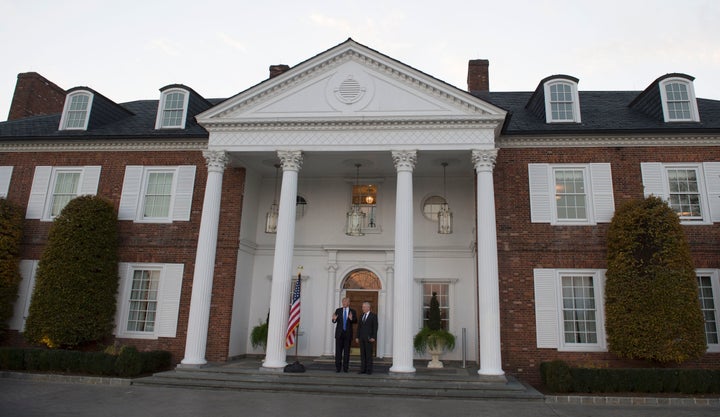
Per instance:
(709,288)
(143,301)
(442,290)
(562,104)
(691,189)
(172,109)
(5,175)
(678,100)
(578,194)
(569,313)
(53,187)
(157,194)
(77,111)
(148,300)
(432,206)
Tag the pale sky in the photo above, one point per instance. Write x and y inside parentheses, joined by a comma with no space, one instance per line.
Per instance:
(128,50)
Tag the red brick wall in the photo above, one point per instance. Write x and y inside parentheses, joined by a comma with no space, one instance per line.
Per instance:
(523,246)
(160,243)
(34,96)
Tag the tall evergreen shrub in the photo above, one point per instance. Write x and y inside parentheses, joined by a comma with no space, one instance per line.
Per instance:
(77,277)
(651,294)
(11,228)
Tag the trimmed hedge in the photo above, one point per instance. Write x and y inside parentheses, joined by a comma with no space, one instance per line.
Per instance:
(11,231)
(557,376)
(128,363)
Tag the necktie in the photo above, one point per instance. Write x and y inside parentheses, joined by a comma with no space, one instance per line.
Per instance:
(364,317)
(344,318)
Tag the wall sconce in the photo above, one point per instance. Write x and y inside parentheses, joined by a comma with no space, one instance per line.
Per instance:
(355,217)
(445,216)
(271,218)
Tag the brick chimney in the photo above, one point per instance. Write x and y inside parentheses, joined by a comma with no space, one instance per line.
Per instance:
(276,70)
(35,96)
(478,79)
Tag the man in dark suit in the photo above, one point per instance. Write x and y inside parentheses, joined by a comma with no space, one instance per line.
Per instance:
(367,333)
(343,318)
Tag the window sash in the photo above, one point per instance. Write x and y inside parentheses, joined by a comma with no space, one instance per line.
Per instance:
(66,188)
(579,311)
(707,304)
(678,101)
(143,301)
(684,193)
(77,112)
(443,296)
(174,108)
(561,102)
(158,195)
(570,194)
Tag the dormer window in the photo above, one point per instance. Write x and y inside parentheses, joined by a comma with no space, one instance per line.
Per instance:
(561,102)
(172,110)
(678,100)
(76,112)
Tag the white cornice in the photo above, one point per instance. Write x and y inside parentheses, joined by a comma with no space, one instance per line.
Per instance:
(58,145)
(354,124)
(572,141)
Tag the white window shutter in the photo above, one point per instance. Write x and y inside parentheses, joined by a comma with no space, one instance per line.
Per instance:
(90,180)
(184,192)
(169,300)
(38,192)
(652,177)
(5,175)
(539,181)
(121,299)
(132,184)
(602,190)
(25,290)
(546,308)
(712,184)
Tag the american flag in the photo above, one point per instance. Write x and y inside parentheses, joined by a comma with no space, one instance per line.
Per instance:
(294,319)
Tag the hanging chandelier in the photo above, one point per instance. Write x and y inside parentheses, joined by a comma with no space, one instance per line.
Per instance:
(271,218)
(355,217)
(445,216)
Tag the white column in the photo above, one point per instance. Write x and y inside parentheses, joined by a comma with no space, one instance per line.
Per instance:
(488,285)
(196,340)
(282,263)
(402,296)
(330,304)
(388,331)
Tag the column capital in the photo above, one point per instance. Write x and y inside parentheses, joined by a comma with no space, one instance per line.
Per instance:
(216,160)
(332,267)
(484,159)
(291,160)
(404,160)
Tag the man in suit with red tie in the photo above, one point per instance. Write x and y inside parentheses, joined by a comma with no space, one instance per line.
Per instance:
(343,318)
(367,333)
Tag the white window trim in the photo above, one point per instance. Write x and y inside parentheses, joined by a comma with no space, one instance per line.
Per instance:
(575,101)
(600,201)
(132,199)
(28,269)
(5,177)
(655,182)
(66,108)
(549,322)
(694,114)
(161,109)
(715,281)
(168,301)
(451,299)
(41,191)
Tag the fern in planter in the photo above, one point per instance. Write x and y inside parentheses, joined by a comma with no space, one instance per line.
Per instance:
(432,337)
(259,334)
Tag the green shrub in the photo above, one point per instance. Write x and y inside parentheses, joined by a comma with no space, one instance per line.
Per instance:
(651,294)
(77,279)
(556,376)
(129,362)
(11,228)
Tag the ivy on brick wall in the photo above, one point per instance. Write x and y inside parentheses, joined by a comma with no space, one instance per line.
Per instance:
(11,227)
(651,294)
(77,277)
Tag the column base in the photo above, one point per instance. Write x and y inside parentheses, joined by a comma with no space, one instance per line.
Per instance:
(402,369)
(267,365)
(192,363)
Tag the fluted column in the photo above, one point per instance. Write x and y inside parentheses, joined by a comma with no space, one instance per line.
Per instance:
(198,321)
(402,297)
(282,262)
(329,309)
(488,280)
(390,278)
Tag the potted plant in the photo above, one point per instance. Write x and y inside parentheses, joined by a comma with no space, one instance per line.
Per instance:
(259,334)
(433,338)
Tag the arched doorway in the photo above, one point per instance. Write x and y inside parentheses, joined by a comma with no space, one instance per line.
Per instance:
(361,285)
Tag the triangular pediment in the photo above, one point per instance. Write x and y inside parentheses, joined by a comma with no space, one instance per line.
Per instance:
(349,82)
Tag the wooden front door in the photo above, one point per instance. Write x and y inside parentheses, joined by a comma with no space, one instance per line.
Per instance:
(357,298)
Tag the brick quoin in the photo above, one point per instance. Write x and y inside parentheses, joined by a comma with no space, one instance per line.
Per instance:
(523,246)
